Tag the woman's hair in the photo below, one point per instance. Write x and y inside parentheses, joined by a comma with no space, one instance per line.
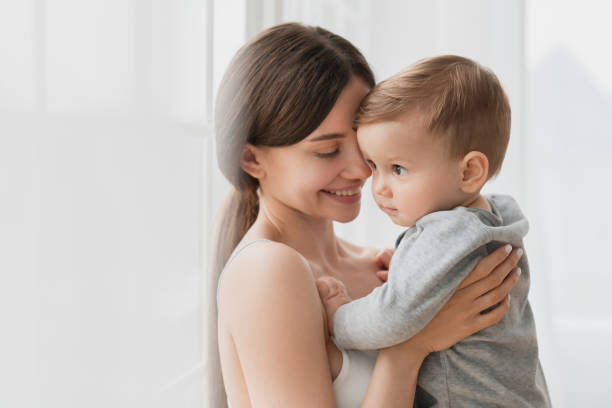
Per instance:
(457,99)
(277,90)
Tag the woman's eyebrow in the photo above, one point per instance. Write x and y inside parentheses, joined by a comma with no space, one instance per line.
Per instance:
(327,137)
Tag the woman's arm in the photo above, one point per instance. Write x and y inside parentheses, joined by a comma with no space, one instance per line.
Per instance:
(270,305)
(394,379)
(269,302)
(488,284)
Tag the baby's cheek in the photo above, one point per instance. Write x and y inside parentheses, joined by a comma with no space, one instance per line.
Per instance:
(416,200)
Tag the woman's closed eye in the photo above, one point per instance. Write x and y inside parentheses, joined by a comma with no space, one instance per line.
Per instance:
(327,155)
(399,170)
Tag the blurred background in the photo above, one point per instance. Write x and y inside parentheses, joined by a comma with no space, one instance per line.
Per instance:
(108,181)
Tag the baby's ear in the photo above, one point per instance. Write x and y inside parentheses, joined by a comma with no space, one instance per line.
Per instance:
(474,172)
(249,161)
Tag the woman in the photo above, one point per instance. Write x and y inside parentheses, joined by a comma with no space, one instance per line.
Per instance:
(285,141)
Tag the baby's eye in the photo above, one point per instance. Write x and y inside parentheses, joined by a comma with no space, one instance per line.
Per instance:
(371,164)
(399,170)
(328,155)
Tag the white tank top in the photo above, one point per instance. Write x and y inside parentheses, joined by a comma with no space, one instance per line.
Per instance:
(352,382)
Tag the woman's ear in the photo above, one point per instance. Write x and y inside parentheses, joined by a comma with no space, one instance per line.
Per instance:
(474,172)
(249,161)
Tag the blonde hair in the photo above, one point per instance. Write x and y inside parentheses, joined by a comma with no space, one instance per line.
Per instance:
(457,98)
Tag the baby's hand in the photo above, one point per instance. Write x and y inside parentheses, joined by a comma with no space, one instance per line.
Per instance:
(333,293)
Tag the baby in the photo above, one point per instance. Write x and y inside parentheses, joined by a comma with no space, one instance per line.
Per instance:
(433,135)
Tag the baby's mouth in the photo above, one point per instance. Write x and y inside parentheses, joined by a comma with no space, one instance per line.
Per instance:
(388,210)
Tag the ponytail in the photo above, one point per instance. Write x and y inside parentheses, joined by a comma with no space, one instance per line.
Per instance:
(237,215)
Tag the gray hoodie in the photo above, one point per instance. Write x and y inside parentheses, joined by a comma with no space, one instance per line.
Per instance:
(496,367)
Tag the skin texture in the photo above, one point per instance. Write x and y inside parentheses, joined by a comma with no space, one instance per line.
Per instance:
(412,175)
(412,172)
(273,339)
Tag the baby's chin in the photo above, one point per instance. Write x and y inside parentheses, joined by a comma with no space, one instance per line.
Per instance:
(399,219)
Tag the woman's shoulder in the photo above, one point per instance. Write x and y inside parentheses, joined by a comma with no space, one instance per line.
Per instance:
(266,256)
(267,273)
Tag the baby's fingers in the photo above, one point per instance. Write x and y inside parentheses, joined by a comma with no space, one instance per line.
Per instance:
(383,275)
(333,294)
(383,258)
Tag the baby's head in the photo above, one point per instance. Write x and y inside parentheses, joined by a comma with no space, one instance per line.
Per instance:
(433,134)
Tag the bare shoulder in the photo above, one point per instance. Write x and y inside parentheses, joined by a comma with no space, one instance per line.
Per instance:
(268,276)
(271,311)
(266,261)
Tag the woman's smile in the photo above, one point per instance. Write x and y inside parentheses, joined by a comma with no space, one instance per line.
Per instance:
(347,195)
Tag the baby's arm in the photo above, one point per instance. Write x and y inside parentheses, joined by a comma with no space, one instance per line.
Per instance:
(426,269)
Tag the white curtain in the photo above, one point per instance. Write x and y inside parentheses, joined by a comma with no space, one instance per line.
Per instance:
(105,171)
(569,103)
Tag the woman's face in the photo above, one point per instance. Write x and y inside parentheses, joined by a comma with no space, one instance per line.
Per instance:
(322,175)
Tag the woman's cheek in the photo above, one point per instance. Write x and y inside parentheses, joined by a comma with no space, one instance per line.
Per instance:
(323,172)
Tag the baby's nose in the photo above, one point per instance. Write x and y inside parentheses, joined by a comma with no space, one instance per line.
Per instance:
(380,187)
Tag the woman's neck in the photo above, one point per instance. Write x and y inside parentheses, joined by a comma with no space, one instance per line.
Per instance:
(312,237)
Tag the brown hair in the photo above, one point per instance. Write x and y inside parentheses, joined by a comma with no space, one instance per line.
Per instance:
(456,97)
(278,89)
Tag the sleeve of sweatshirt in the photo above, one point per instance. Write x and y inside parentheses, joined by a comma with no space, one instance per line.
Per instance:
(426,268)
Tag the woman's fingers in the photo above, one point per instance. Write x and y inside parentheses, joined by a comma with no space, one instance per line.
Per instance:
(483,321)
(491,293)
(496,277)
(486,265)
(496,295)
(460,317)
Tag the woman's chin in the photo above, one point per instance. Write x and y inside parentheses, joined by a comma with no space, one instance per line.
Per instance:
(347,215)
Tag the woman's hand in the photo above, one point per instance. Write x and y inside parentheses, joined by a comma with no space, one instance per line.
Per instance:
(487,286)
(383,259)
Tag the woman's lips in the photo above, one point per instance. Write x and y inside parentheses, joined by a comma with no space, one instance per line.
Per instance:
(345,196)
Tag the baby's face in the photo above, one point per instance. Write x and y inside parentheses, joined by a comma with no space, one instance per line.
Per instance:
(412,175)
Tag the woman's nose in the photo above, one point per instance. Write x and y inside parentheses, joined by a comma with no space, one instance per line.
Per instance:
(356,167)
(361,168)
